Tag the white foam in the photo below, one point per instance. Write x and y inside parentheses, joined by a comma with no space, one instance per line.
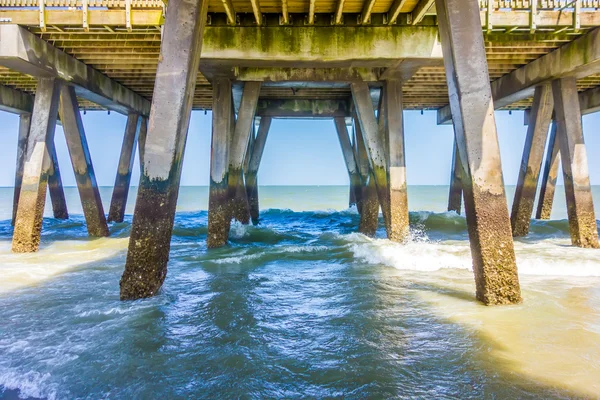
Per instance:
(546,258)
(29,384)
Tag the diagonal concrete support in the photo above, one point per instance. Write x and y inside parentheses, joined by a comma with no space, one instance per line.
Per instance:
(55,186)
(24,124)
(350,161)
(239,146)
(251,171)
(494,262)
(367,203)
(22,51)
(142,142)
(455,195)
(118,202)
(546,197)
(219,212)
(394,140)
(374,146)
(531,163)
(150,241)
(28,225)
(82,163)
(580,207)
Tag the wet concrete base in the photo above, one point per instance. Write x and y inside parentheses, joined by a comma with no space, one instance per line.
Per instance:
(494,262)
(219,214)
(28,225)
(399,225)
(252,193)
(240,209)
(150,241)
(369,209)
(520,217)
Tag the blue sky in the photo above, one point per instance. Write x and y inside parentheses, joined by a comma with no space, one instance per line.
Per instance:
(298,152)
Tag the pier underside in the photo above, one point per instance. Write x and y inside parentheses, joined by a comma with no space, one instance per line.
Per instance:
(360,64)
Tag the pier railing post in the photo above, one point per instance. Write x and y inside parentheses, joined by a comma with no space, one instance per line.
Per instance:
(82,163)
(239,146)
(494,263)
(37,167)
(24,124)
(367,203)
(219,210)
(455,195)
(546,197)
(150,241)
(394,146)
(531,163)
(251,172)
(118,202)
(348,153)
(374,145)
(580,207)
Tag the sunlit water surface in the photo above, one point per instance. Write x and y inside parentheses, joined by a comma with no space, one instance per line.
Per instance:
(299,306)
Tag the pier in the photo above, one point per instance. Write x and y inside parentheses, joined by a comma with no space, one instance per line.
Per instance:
(358,63)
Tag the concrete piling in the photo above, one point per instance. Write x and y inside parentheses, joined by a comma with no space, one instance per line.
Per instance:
(37,167)
(251,172)
(394,146)
(82,163)
(494,263)
(118,202)
(239,145)
(349,159)
(455,195)
(55,186)
(367,203)
(531,163)
(546,197)
(24,124)
(150,240)
(580,207)
(219,211)
(373,145)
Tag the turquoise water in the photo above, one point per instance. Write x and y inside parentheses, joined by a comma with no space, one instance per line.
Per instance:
(300,306)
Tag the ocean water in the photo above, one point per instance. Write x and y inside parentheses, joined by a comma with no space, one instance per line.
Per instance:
(300,306)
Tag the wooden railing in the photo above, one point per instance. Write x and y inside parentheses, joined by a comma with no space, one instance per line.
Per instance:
(540,4)
(81,3)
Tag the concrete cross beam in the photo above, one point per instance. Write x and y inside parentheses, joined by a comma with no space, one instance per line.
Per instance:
(577,59)
(23,51)
(15,101)
(300,108)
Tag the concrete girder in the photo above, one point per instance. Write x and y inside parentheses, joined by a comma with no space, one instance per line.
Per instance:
(315,47)
(23,51)
(577,59)
(291,108)
(15,101)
